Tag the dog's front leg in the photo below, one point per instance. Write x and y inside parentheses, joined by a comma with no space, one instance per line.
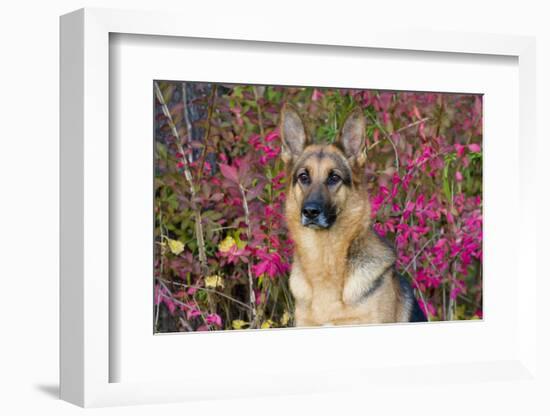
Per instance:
(302,292)
(301,316)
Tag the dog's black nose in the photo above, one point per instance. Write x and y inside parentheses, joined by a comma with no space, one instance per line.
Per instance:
(311,210)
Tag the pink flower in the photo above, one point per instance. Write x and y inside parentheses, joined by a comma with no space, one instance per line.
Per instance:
(161,295)
(258,296)
(268,211)
(379,199)
(459,287)
(255,141)
(234,254)
(409,208)
(270,263)
(269,154)
(278,181)
(193,313)
(380,229)
(214,319)
(316,95)
(474,147)
(273,135)
(169,304)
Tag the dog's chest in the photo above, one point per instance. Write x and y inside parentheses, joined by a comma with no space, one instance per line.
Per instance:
(326,303)
(321,301)
(343,299)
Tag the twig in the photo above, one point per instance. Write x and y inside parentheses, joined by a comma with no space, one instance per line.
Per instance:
(408,126)
(252,296)
(465,299)
(161,271)
(259,110)
(229,227)
(413,261)
(422,298)
(277,291)
(443,300)
(198,216)
(415,167)
(372,146)
(450,311)
(186,325)
(188,125)
(157,312)
(187,173)
(387,136)
(419,253)
(208,128)
(173,299)
(211,291)
(166,111)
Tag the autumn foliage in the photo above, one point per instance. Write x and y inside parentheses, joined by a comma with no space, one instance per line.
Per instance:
(222,253)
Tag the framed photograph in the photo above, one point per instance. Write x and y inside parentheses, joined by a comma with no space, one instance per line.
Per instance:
(321,213)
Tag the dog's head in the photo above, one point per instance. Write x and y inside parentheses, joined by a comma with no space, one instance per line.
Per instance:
(322,177)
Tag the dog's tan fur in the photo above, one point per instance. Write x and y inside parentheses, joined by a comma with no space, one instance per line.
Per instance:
(343,274)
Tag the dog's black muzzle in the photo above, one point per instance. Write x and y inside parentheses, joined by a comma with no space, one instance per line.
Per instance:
(316,215)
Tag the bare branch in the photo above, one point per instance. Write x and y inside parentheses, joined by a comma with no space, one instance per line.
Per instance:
(187,173)
(388,138)
(211,291)
(252,296)
(416,123)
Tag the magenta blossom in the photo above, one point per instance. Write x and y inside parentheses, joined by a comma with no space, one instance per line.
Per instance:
(270,263)
(214,319)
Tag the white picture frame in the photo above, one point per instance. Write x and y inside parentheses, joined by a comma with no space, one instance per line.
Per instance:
(85,212)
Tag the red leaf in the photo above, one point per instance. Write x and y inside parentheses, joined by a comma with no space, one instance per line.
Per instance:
(229,172)
(244,166)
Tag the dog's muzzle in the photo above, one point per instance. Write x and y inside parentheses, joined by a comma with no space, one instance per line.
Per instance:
(314,216)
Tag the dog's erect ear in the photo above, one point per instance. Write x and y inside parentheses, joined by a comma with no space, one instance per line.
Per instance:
(352,138)
(293,134)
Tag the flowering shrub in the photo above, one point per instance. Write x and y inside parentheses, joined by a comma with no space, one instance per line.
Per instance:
(222,253)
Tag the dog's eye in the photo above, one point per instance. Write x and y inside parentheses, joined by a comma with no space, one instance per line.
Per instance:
(333,179)
(304,178)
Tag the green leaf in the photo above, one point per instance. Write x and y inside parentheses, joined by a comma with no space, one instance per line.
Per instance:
(161,151)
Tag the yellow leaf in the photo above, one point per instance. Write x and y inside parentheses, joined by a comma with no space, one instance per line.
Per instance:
(460,312)
(267,324)
(176,246)
(240,243)
(285,318)
(238,324)
(214,281)
(227,244)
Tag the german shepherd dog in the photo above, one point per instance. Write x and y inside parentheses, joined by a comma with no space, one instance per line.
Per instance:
(343,273)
